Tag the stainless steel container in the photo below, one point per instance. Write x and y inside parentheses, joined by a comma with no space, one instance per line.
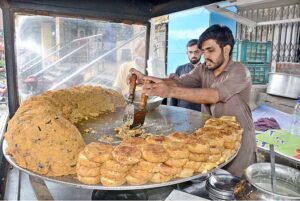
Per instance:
(285,85)
(221,186)
(257,185)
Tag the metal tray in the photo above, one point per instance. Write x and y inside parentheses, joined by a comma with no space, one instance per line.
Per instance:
(163,120)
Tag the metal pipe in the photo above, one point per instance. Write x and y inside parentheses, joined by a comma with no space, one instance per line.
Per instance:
(11,67)
(60,49)
(285,21)
(44,69)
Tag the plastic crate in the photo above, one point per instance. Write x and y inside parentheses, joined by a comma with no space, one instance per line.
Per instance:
(259,72)
(252,52)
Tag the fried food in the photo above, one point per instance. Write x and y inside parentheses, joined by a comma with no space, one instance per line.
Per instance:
(154,153)
(214,139)
(214,158)
(157,139)
(134,141)
(112,174)
(185,172)
(227,153)
(204,130)
(42,137)
(220,123)
(174,162)
(204,167)
(89,180)
(198,157)
(126,155)
(148,166)
(215,150)
(132,180)
(160,178)
(179,137)
(124,131)
(229,145)
(168,170)
(87,171)
(115,166)
(98,152)
(199,146)
(194,165)
(84,161)
(176,150)
(142,174)
(112,181)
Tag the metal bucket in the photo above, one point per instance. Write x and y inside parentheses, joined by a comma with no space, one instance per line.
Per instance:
(285,85)
(257,185)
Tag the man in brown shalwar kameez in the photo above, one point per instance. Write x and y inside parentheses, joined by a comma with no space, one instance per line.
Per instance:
(220,85)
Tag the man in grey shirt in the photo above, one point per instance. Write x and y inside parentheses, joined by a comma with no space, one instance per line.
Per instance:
(194,54)
(220,85)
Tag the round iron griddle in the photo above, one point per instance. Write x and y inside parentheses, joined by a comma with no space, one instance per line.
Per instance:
(161,121)
(164,120)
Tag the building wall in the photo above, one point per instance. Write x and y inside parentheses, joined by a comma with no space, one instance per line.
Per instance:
(285,37)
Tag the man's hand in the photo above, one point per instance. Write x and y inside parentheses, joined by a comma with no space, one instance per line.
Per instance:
(140,76)
(156,87)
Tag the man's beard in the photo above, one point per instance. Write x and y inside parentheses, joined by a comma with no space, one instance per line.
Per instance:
(194,60)
(217,64)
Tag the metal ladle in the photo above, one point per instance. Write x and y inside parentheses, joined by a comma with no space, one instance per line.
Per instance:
(273,172)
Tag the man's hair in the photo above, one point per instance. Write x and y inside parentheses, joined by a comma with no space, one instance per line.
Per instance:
(220,33)
(192,43)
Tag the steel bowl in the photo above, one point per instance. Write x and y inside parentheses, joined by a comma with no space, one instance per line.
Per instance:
(221,186)
(257,185)
(152,103)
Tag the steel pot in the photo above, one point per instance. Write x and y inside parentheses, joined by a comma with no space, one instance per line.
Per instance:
(285,85)
(257,185)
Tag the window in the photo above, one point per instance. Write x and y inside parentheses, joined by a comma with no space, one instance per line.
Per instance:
(57,52)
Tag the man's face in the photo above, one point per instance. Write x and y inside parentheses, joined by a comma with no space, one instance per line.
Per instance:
(213,54)
(194,54)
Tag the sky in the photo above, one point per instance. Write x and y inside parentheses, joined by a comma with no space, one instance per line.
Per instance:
(184,26)
(187,25)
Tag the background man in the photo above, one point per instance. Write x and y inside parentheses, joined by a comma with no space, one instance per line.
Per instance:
(194,54)
(220,85)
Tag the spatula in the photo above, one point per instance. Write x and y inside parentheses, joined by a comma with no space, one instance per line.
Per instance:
(139,117)
(129,109)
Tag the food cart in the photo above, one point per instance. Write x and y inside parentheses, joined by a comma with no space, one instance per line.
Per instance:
(123,12)
(26,80)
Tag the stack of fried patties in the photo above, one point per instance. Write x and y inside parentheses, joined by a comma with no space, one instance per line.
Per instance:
(142,171)
(223,136)
(198,153)
(156,151)
(159,158)
(90,161)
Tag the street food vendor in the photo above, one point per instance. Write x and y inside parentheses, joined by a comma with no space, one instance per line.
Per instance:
(221,85)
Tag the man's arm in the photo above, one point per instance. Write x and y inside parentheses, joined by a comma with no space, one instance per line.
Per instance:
(167,88)
(195,95)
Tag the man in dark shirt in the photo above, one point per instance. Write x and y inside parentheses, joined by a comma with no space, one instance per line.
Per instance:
(194,54)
